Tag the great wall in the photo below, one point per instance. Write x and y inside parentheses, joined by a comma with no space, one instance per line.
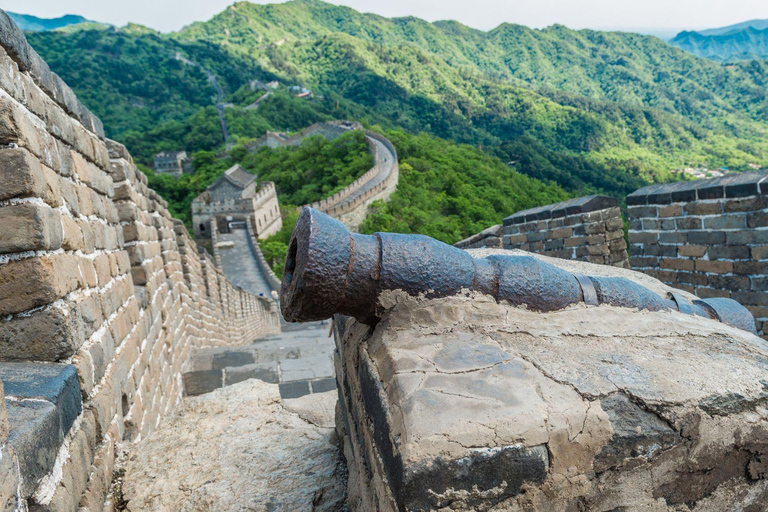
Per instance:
(630,395)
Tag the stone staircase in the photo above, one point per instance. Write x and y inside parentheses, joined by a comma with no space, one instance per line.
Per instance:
(300,360)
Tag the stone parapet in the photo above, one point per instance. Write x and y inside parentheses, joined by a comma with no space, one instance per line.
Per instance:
(95,272)
(708,237)
(586,229)
(467,404)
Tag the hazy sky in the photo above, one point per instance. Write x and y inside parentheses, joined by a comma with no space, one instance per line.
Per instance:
(167,15)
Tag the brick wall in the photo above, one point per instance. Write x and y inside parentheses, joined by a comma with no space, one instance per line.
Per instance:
(94,271)
(708,237)
(586,228)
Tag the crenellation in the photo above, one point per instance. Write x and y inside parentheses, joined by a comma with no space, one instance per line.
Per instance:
(715,245)
(587,229)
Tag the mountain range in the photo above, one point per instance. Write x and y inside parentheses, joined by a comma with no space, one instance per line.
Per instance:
(30,23)
(743,41)
(585,110)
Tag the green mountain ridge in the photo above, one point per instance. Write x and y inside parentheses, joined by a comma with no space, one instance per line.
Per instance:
(30,23)
(731,46)
(590,111)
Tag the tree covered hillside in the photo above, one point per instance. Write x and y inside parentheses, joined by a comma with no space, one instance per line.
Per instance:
(589,111)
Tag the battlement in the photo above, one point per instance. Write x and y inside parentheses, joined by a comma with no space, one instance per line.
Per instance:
(586,228)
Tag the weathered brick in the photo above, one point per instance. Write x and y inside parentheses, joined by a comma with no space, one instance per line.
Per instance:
(747,237)
(23,176)
(734,221)
(692,251)
(746,205)
(45,280)
(562,233)
(708,293)
(688,223)
(635,212)
(757,220)
(750,267)
(732,283)
(704,208)
(759,253)
(643,238)
(673,210)
(729,252)
(692,278)
(676,264)
(29,227)
(706,237)
(718,267)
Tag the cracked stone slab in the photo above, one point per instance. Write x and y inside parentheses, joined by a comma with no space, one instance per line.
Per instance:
(634,410)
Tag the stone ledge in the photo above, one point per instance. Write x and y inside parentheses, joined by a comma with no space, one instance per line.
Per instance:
(43,402)
(735,185)
(571,207)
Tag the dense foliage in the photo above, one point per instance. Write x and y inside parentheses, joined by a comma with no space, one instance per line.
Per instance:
(302,174)
(588,111)
(316,169)
(450,191)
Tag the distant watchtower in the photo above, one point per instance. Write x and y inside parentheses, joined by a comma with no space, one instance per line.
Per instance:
(234,198)
(174,163)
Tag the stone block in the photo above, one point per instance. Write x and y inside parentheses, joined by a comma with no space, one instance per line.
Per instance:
(46,279)
(267,372)
(295,389)
(29,227)
(673,210)
(757,253)
(717,267)
(757,219)
(201,382)
(734,221)
(688,223)
(23,176)
(706,237)
(700,208)
(728,252)
(50,334)
(676,264)
(44,405)
(746,205)
(691,251)
(747,237)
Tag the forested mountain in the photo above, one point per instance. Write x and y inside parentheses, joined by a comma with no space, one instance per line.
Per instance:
(728,46)
(588,110)
(756,24)
(31,23)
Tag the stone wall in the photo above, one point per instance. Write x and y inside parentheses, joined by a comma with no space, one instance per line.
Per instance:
(586,229)
(462,403)
(93,272)
(708,237)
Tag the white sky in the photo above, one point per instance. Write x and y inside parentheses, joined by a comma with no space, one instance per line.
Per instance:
(167,15)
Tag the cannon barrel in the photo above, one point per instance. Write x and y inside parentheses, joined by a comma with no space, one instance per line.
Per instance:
(330,270)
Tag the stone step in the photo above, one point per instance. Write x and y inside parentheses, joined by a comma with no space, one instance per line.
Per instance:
(43,401)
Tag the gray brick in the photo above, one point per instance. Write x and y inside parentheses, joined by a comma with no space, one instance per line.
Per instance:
(735,221)
(706,237)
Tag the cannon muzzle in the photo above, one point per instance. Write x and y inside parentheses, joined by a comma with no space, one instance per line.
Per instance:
(329,270)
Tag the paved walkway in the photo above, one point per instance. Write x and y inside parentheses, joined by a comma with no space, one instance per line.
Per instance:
(299,359)
(240,264)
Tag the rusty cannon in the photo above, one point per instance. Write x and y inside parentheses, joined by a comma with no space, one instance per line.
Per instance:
(330,270)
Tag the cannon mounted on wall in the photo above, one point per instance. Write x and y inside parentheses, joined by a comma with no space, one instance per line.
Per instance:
(329,270)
